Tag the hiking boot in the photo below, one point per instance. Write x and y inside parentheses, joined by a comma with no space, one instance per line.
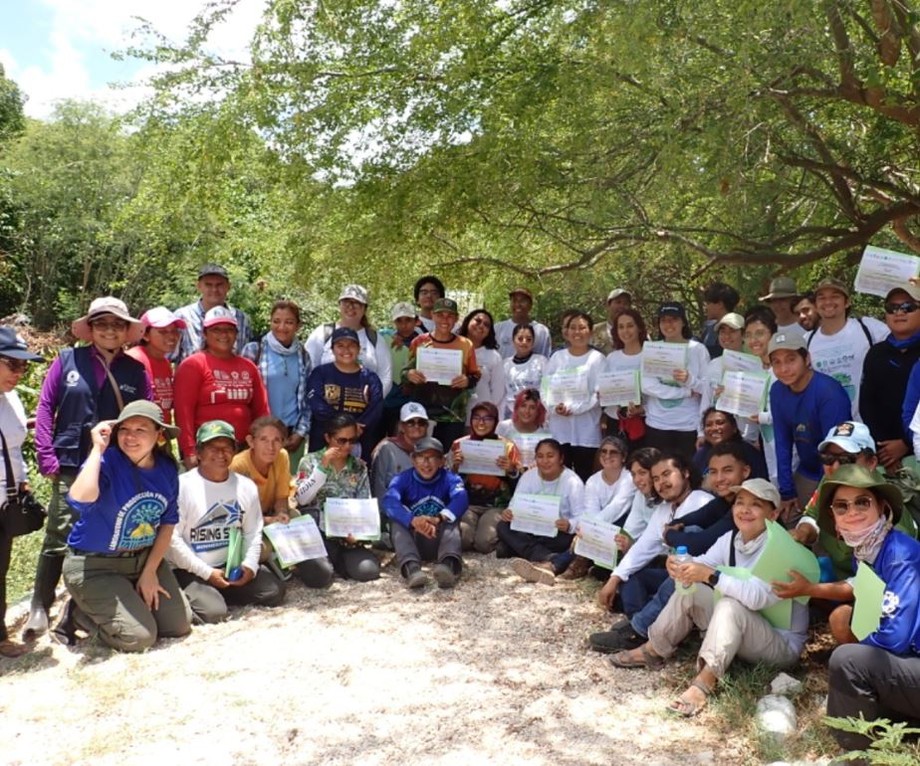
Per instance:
(577,569)
(415,577)
(534,571)
(622,637)
(447,572)
(65,631)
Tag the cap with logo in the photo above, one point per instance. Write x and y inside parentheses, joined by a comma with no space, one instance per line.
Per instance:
(672,309)
(160,317)
(214,429)
(12,346)
(411,411)
(213,270)
(219,315)
(445,305)
(402,310)
(344,333)
(354,293)
(850,436)
(786,341)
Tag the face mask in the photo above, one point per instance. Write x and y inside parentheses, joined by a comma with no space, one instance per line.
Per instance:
(867,542)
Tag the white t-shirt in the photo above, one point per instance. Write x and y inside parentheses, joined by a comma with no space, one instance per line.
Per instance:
(519,377)
(526,443)
(792,329)
(542,343)
(568,486)
(491,385)
(375,357)
(609,502)
(620,360)
(841,355)
(207,512)
(582,428)
(677,407)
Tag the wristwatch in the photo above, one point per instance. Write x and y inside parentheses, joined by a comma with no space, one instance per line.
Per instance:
(713,579)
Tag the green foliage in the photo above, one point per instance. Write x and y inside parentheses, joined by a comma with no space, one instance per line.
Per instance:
(888,746)
(12,120)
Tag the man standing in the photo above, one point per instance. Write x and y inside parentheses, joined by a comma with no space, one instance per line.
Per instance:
(886,370)
(213,285)
(841,342)
(602,337)
(428,289)
(807,312)
(719,299)
(782,299)
(521,304)
(216,504)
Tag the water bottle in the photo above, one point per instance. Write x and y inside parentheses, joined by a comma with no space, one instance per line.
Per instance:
(682,557)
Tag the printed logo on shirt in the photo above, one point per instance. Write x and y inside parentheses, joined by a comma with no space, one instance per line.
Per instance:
(890,603)
(125,388)
(72,378)
(332,393)
(136,524)
(231,387)
(213,529)
(428,506)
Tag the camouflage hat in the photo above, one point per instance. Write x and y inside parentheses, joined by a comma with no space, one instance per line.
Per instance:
(445,304)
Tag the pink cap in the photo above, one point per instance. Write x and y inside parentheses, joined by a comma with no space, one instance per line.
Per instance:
(160,317)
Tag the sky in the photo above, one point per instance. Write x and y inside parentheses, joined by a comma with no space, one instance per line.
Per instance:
(60,49)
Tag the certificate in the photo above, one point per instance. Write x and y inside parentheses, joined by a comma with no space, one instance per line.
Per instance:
(735,361)
(660,359)
(439,365)
(481,456)
(527,445)
(595,541)
(536,514)
(298,540)
(358,517)
(882,270)
(619,388)
(566,386)
(744,393)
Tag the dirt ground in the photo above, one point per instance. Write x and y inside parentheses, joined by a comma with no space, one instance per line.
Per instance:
(496,671)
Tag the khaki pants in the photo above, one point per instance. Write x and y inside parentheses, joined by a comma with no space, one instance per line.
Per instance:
(478,528)
(731,630)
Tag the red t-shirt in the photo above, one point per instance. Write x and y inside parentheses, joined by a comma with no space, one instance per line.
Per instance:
(209,388)
(160,375)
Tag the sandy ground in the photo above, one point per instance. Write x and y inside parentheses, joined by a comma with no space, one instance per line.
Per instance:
(495,671)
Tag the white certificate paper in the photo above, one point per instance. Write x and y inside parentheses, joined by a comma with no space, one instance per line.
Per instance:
(566,387)
(660,359)
(882,270)
(735,361)
(744,393)
(595,541)
(527,446)
(358,517)
(439,365)
(619,388)
(480,456)
(536,514)
(298,540)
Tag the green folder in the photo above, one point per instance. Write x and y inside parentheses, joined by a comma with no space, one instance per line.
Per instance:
(234,551)
(869,590)
(779,615)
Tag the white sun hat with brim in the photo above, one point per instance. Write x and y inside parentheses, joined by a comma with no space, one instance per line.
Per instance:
(98,309)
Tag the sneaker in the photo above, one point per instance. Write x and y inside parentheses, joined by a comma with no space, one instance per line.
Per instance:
(619,639)
(445,575)
(415,577)
(534,571)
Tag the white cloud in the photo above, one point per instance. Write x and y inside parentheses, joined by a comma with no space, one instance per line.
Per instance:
(83,32)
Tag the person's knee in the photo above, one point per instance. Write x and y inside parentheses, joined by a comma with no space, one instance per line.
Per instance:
(366,570)
(317,573)
(133,637)
(273,592)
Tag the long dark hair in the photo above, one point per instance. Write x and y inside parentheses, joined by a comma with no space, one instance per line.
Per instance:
(489,341)
(640,323)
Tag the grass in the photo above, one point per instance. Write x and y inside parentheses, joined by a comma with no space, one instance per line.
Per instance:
(22,566)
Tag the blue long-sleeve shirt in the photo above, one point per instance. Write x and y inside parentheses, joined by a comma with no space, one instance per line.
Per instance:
(898,564)
(713,520)
(802,420)
(409,495)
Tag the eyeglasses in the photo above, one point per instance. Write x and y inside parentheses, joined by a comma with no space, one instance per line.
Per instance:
(341,441)
(416,423)
(907,307)
(861,504)
(755,334)
(610,451)
(112,326)
(482,419)
(829,458)
(15,365)
(429,292)
(428,458)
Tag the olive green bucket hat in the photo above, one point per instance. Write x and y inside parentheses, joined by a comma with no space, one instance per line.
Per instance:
(858,476)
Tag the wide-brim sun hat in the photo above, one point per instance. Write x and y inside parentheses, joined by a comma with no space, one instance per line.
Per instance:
(858,476)
(141,408)
(107,304)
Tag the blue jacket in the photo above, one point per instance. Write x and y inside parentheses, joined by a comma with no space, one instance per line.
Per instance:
(898,564)
(409,495)
(710,522)
(803,419)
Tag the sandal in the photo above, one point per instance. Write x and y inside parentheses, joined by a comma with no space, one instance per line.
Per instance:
(645,659)
(688,709)
(11,650)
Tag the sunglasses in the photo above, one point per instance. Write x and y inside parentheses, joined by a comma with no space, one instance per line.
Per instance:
(907,307)
(416,423)
(828,458)
(341,441)
(15,365)
(861,504)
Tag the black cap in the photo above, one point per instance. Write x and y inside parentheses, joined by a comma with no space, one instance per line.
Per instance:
(213,269)
(672,309)
(344,333)
(12,346)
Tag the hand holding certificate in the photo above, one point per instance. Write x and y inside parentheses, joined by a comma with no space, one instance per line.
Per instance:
(596,540)
(298,540)
(882,270)
(352,516)
(661,360)
(439,365)
(618,388)
(744,393)
(482,456)
(536,514)
(566,387)
(735,361)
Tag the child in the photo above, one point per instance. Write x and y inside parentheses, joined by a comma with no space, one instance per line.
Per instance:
(732,625)
(426,503)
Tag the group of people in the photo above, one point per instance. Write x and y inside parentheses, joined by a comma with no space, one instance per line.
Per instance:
(713,514)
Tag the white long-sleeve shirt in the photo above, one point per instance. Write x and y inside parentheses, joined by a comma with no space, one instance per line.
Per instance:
(753,593)
(491,384)
(677,407)
(13,425)
(375,357)
(207,512)
(582,427)
(567,486)
(620,360)
(519,377)
(650,543)
(609,502)
(639,515)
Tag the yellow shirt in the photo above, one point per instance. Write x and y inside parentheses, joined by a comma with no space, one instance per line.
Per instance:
(276,486)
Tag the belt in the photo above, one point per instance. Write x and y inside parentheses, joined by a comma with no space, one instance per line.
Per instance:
(112,555)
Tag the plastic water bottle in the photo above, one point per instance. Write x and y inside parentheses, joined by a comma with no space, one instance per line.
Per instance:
(682,557)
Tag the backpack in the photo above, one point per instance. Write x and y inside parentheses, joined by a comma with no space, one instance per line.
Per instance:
(861,324)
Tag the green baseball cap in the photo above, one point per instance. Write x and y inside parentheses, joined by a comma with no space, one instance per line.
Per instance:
(215,429)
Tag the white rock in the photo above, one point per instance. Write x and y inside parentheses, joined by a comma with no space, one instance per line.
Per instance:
(785,684)
(776,716)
